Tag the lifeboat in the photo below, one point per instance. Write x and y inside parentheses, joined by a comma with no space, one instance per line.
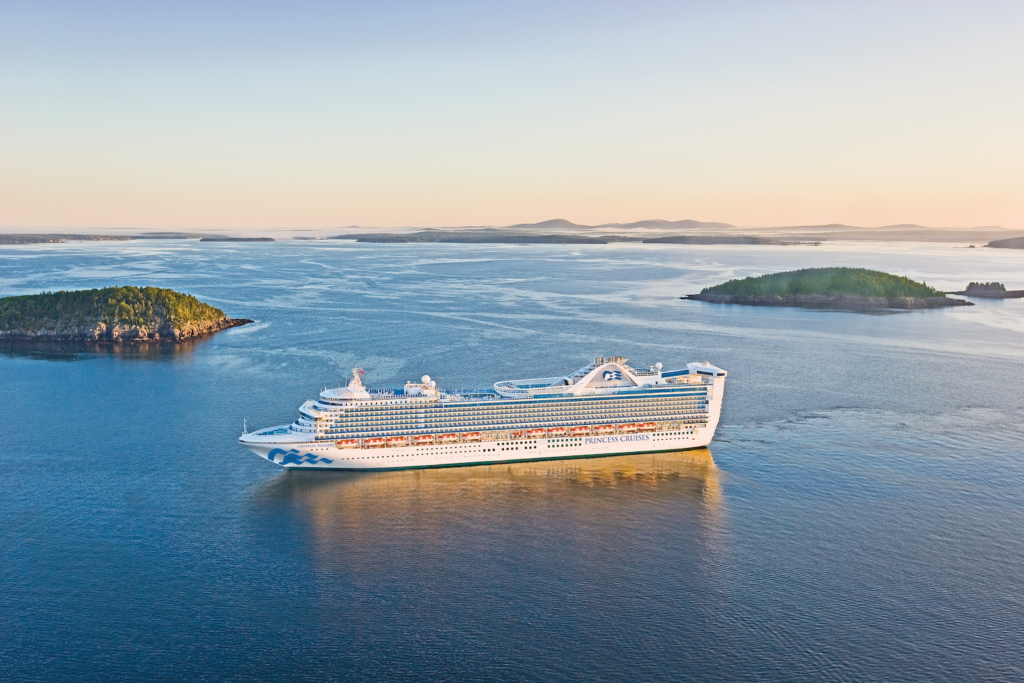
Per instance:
(604,429)
(627,429)
(447,438)
(374,442)
(398,440)
(534,433)
(471,436)
(647,426)
(423,438)
(579,430)
(517,434)
(347,443)
(557,431)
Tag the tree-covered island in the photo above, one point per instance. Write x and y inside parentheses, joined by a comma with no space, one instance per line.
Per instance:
(851,288)
(113,314)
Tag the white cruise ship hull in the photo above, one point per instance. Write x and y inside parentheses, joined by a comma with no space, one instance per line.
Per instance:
(327,457)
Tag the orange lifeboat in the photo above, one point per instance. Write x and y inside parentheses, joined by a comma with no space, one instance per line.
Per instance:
(347,443)
(423,438)
(579,430)
(627,429)
(517,434)
(471,436)
(557,431)
(375,442)
(534,433)
(604,429)
(647,426)
(447,438)
(398,440)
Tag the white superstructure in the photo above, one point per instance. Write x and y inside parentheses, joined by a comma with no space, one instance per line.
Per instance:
(605,408)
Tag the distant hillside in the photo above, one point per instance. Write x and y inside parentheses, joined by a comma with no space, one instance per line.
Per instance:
(1013,243)
(110,314)
(554,223)
(659,224)
(44,238)
(892,234)
(711,239)
(484,236)
(828,287)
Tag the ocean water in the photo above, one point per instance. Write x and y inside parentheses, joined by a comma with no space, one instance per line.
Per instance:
(859,516)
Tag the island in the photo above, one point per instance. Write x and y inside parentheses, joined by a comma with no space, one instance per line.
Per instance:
(712,239)
(235,239)
(842,288)
(991,290)
(1012,243)
(482,236)
(114,315)
(58,238)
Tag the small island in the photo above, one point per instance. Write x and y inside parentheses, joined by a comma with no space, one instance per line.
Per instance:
(991,290)
(113,315)
(843,288)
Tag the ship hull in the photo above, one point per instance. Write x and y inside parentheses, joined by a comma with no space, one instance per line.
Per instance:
(321,456)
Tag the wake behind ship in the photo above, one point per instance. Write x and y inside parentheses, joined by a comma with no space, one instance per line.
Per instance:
(605,408)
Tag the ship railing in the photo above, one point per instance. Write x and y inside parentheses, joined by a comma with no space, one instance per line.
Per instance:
(532,420)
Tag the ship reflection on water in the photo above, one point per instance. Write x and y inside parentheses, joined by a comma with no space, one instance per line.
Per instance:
(363,520)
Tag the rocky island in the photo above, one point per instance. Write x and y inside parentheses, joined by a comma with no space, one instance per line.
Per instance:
(114,315)
(845,288)
(991,290)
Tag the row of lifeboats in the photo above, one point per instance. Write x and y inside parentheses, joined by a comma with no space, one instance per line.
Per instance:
(469,437)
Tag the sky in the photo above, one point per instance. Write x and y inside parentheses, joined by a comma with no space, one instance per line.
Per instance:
(253,115)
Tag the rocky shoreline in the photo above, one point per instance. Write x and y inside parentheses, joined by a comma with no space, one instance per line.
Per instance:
(125,334)
(831,301)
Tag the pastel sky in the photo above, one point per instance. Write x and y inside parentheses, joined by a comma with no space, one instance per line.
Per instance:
(212,114)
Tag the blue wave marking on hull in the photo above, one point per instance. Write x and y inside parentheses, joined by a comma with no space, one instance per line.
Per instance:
(293,457)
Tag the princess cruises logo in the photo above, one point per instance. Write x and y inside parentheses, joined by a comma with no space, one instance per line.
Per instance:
(609,375)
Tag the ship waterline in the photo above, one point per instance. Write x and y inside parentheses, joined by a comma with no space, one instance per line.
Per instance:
(605,408)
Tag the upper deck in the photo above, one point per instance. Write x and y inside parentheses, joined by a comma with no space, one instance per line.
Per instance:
(606,376)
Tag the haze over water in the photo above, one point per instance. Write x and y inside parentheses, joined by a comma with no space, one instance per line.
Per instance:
(858,516)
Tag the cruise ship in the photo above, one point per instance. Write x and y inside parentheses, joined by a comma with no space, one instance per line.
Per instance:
(604,408)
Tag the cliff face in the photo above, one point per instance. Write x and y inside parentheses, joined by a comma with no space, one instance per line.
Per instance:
(118,333)
(832,301)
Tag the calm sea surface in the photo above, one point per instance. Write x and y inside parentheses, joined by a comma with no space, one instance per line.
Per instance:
(859,517)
